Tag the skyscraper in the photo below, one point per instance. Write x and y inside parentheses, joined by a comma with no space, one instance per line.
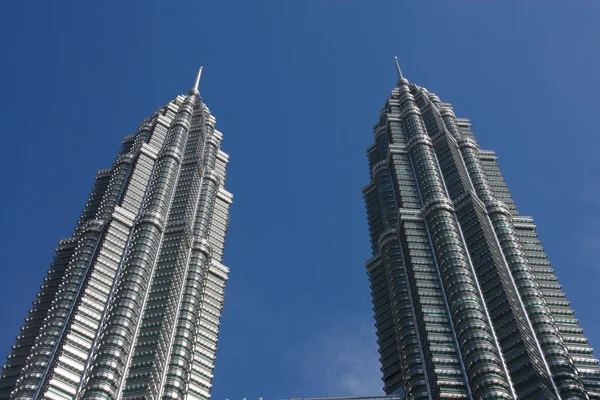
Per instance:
(131,305)
(466,302)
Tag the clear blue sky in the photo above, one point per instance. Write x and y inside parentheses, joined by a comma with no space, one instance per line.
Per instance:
(296,87)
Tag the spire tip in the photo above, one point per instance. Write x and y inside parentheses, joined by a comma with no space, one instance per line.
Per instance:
(195,90)
(197,83)
(398,68)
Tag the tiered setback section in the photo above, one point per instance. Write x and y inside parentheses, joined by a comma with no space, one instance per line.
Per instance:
(466,303)
(131,305)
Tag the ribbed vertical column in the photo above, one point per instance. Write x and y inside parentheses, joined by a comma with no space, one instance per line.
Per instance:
(44,350)
(91,232)
(539,316)
(155,334)
(485,370)
(412,361)
(413,364)
(524,361)
(91,228)
(38,314)
(554,350)
(131,255)
(177,376)
(115,347)
(115,188)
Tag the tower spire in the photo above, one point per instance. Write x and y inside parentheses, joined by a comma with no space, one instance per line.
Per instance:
(195,90)
(398,68)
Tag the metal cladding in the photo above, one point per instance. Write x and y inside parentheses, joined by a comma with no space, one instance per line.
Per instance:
(466,303)
(131,306)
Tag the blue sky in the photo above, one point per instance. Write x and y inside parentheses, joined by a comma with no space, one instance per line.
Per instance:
(296,87)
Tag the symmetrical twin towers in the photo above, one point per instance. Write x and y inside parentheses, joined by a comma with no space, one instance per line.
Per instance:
(466,303)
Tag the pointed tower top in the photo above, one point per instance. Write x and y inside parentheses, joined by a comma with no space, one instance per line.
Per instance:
(398,68)
(401,78)
(195,90)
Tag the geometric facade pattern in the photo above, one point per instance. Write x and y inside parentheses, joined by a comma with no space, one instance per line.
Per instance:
(131,306)
(467,305)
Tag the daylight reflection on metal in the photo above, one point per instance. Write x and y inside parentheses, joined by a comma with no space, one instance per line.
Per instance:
(466,303)
(131,305)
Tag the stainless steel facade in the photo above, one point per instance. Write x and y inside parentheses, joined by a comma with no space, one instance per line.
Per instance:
(466,303)
(131,305)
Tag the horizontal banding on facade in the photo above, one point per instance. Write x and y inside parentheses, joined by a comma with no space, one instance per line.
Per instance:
(211,175)
(379,167)
(466,142)
(419,139)
(447,112)
(125,159)
(204,246)
(410,109)
(152,217)
(173,153)
(95,225)
(386,236)
(496,206)
(438,203)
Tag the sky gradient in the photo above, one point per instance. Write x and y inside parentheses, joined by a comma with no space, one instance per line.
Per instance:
(296,87)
